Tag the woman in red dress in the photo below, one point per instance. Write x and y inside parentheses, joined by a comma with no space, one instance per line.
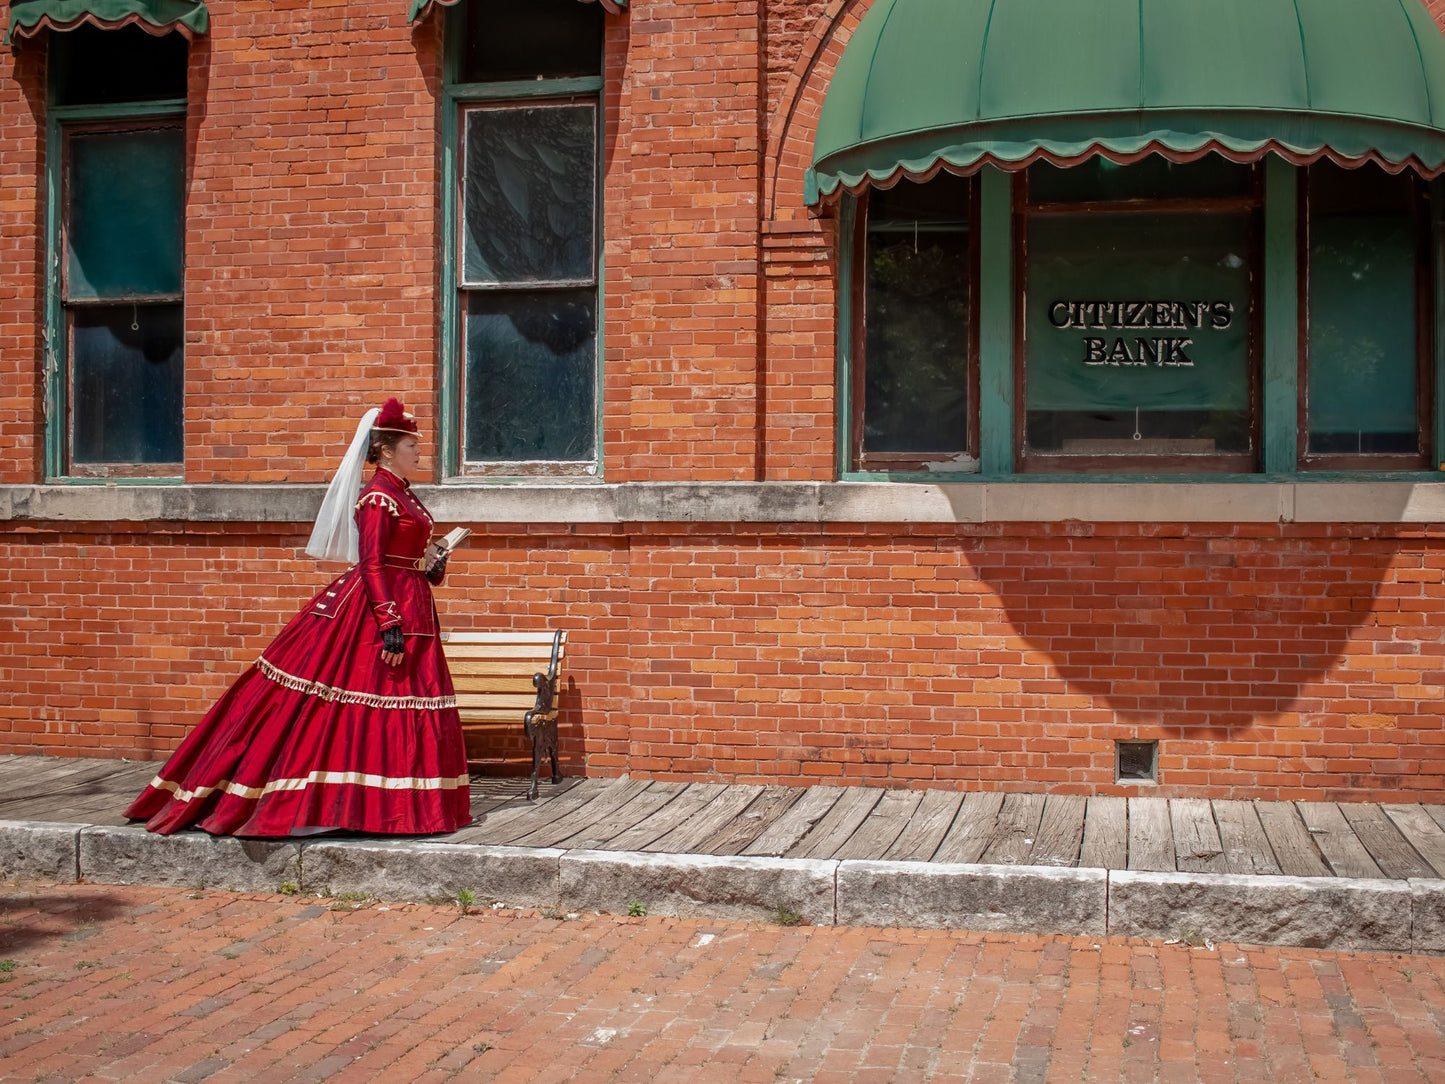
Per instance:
(348,719)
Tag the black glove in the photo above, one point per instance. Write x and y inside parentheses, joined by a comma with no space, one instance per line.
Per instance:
(392,640)
(437,571)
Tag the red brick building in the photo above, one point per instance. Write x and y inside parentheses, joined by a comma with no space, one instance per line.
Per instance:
(880,391)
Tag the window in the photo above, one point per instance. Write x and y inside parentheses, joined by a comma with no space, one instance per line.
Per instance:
(914,372)
(1140,317)
(118,105)
(526,254)
(1366,322)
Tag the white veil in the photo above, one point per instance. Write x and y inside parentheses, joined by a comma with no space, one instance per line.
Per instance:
(334,537)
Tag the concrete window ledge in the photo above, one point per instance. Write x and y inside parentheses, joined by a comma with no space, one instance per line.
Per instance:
(765,502)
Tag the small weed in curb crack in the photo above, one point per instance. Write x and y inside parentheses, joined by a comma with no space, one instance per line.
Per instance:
(636,909)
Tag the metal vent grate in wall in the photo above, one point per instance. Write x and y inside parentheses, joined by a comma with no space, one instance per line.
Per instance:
(1136,762)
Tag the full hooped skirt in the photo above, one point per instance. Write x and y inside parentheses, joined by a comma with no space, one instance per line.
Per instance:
(321,733)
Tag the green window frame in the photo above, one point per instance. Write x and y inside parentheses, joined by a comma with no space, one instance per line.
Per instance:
(521,318)
(1279,330)
(115,240)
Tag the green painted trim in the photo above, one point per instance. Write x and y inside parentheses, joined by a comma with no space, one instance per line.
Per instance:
(918,477)
(843,379)
(454,96)
(173,107)
(995,323)
(518,88)
(53,333)
(1280,376)
(449,420)
(1437,217)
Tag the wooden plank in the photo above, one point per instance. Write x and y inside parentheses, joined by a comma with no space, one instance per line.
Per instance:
(884,825)
(1332,834)
(1246,846)
(750,821)
(517,702)
(604,805)
(972,829)
(522,817)
(496,651)
(796,822)
(689,800)
(838,825)
(1061,831)
(1015,830)
(1390,850)
(487,822)
(451,638)
(1106,833)
(1426,836)
(1197,848)
(691,836)
(53,781)
(1151,838)
(1293,845)
(475,684)
(629,815)
(926,828)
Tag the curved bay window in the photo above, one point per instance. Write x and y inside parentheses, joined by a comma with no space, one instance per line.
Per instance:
(914,373)
(1140,316)
(1366,319)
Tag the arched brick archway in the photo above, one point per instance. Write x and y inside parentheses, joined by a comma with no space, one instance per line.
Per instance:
(795,121)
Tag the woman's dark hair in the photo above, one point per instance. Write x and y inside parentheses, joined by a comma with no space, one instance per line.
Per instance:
(383,439)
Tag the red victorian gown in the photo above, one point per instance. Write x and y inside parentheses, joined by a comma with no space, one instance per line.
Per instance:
(320,732)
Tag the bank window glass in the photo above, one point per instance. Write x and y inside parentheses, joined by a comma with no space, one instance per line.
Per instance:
(121,251)
(914,357)
(1367,320)
(527,237)
(1140,326)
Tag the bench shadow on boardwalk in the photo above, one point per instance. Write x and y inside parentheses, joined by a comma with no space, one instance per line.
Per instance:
(1306,839)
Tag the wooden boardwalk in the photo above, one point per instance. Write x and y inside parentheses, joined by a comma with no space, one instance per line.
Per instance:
(1306,839)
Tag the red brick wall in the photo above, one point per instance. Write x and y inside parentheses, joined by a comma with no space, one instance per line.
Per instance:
(22,257)
(1269,662)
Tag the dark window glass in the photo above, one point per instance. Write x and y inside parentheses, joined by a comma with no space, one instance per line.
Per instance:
(508,39)
(531,375)
(1363,340)
(913,387)
(529,194)
(1138,334)
(1154,178)
(104,67)
(126,384)
(123,237)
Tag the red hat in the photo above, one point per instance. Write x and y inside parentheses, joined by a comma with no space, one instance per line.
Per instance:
(395,419)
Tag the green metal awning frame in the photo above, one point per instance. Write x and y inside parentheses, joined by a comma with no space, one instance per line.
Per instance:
(931,85)
(420,9)
(29,18)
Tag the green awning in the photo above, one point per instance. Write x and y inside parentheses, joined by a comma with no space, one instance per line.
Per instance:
(925,85)
(420,9)
(29,17)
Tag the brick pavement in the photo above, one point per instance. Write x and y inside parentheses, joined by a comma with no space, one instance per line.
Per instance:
(155,984)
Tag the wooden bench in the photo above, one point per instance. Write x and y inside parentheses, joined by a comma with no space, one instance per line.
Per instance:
(508,683)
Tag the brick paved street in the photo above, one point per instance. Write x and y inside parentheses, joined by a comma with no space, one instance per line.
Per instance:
(164,984)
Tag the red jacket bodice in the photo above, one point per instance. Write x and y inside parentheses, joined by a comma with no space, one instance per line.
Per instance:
(394,528)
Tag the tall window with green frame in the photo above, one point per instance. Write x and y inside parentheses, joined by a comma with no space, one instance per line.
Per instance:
(913,388)
(526,81)
(115,329)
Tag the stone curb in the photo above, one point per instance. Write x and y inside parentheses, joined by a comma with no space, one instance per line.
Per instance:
(133,856)
(40,850)
(700,885)
(1315,912)
(421,870)
(1308,912)
(1004,899)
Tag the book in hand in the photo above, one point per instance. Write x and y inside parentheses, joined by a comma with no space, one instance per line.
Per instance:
(454,538)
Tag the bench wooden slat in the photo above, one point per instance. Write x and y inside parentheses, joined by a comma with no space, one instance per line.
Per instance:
(502,638)
(472,669)
(521,702)
(498,651)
